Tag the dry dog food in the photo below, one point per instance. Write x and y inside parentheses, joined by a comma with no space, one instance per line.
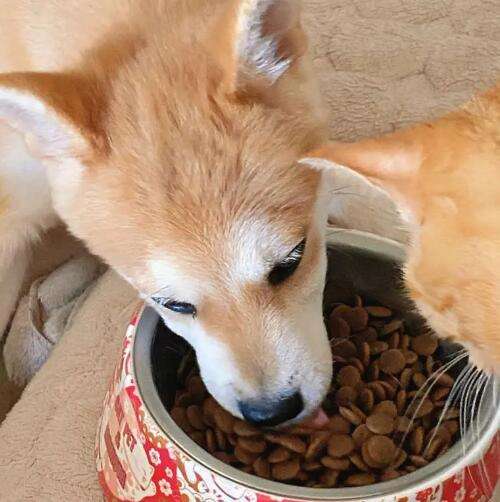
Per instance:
(386,418)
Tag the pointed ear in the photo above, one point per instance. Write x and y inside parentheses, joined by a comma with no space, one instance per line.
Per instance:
(391,162)
(264,39)
(51,111)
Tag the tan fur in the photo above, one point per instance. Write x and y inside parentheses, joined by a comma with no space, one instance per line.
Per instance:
(446,176)
(172,150)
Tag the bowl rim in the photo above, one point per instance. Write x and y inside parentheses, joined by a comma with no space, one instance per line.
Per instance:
(456,459)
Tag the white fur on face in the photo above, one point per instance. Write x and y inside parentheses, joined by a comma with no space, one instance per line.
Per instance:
(289,353)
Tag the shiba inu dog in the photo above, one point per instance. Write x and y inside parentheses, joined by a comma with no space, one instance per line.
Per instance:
(167,135)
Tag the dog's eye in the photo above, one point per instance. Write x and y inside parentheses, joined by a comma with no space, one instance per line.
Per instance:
(288,266)
(179,307)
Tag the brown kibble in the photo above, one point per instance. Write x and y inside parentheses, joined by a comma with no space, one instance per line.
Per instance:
(378,390)
(345,396)
(452,426)
(278,455)
(380,423)
(418,461)
(199,438)
(446,380)
(367,335)
(348,376)
(253,445)
(245,429)
(401,401)
(404,342)
(402,424)
(339,425)
(381,449)
(380,312)
(389,475)
(184,399)
(356,317)
(244,456)
(350,416)
(312,465)
(340,445)
(221,439)
(373,372)
(180,418)
(410,357)
(394,325)
(358,462)
(232,439)
(424,345)
(224,420)
(387,407)
(354,361)
(336,464)
(338,328)
(366,400)
(429,365)
(393,340)
(329,478)
(419,380)
(364,354)
(284,471)
(432,450)
(302,476)
(227,458)
(377,347)
(392,361)
(293,443)
(361,434)
(196,388)
(262,468)
(417,440)
(451,413)
(439,394)
(343,348)
(210,440)
(361,479)
(405,377)
(399,459)
(318,443)
(420,408)
(195,417)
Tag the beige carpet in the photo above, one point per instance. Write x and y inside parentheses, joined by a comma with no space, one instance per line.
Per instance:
(382,64)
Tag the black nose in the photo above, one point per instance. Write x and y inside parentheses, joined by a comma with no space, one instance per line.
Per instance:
(270,412)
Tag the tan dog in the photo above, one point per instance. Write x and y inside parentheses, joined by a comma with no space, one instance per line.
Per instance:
(445,176)
(167,135)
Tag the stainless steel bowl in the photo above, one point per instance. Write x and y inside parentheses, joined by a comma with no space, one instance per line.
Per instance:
(358,263)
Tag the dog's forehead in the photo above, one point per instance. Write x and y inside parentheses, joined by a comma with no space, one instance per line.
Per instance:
(243,254)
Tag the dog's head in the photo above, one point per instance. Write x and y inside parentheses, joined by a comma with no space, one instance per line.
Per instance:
(182,171)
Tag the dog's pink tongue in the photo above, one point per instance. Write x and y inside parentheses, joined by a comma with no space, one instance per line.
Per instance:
(316,421)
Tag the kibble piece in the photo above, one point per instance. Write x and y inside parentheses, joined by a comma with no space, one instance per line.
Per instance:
(417,440)
(284,471)
(376,311)
(180,418)
(404,342)
(381,449)
(312,465)
(329,478)
(253,445)
(419,380)
(389,475)
(245,429)
(366,400)
(361,434)
(399,458)
(440,393)
(343,348)
(356,317)
(348,376)
(380,423)
(367,335)
(338,424)
(364,354)
(386,407)
(346,395)
(224,420)
(392,326)
(278,455)
(424,345)
(402,424)
(420,408)
(195,417)
(349,415)
(336,464)
(446,380)
(293,443)
(338,327)
(244,456)
(393,340)
(340,445)
(377,347)
(452,426)
(392,361)
(358,462)
(401,401)
(410,357)
(262,468)
(210,440)
(432,450)
(378,390)
(418,461)
(318,443)
(361,479)
(199,438)
(354,361)
(405,377)
(221,440)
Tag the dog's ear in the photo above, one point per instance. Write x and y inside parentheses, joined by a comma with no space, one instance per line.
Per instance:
(51,111)
(391,162)
(263,38)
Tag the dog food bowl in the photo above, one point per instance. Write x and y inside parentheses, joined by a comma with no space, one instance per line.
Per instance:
(142,455)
